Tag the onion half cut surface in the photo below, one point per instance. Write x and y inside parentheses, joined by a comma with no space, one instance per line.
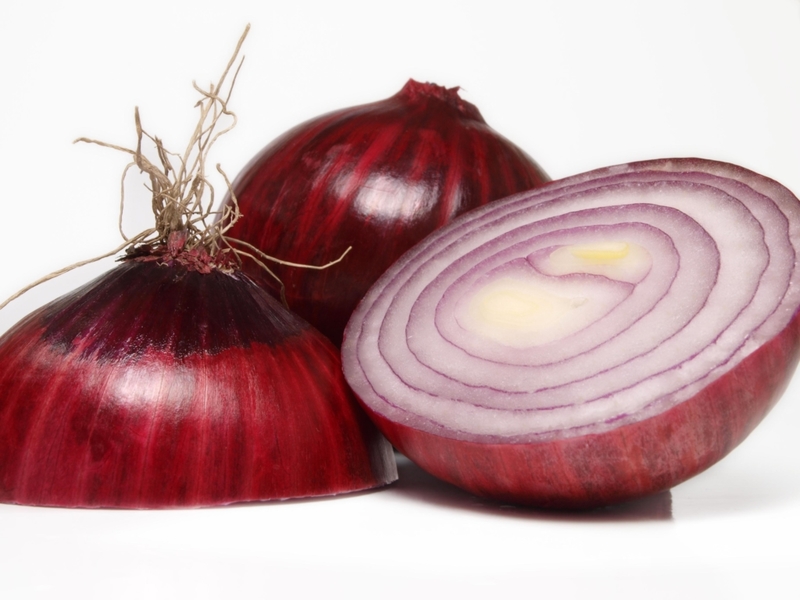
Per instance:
(599,339)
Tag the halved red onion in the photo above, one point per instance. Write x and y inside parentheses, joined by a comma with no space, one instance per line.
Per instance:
(601,338)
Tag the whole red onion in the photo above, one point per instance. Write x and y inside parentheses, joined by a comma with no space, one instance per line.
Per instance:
(159,385)
(377,177)
(173,379)
(604,337)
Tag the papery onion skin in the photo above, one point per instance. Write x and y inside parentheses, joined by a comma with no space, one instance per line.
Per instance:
(627,454)
(160,386)
(377,177)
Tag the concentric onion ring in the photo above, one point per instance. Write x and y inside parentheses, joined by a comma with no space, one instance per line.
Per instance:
(599,302)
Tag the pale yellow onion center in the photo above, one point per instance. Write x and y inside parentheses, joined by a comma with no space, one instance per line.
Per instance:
(520,311)
(621,261)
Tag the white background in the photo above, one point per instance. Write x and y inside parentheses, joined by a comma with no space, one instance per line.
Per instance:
(578,84)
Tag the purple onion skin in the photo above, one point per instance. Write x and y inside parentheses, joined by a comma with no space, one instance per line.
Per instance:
(625,463)
(377,177)
(159,386)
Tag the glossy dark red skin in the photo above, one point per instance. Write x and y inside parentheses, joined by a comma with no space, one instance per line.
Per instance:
(628,462)
(297,196)
(156,386)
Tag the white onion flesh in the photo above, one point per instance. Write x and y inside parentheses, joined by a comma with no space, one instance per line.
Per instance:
(598,300)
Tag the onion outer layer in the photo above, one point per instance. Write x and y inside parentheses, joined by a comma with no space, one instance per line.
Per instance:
(159,386)
(377,178)
(661,424)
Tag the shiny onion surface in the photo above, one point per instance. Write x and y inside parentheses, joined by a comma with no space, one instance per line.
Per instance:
(159,386)
(377,178)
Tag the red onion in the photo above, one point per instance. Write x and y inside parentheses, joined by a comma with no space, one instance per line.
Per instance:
(377,177)
(158,385)
(604,337)
(174,379)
